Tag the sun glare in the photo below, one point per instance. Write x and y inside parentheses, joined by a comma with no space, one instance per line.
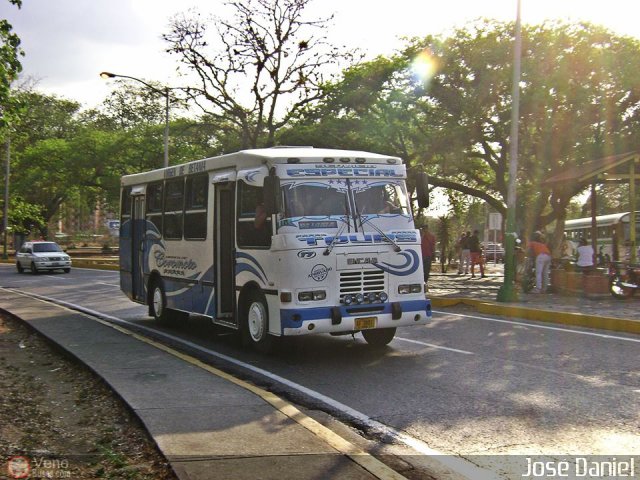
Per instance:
(424,66)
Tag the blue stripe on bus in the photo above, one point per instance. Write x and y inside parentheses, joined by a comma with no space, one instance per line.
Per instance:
(243,267)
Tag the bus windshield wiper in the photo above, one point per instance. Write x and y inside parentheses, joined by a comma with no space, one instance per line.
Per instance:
(335,237)
(396,247)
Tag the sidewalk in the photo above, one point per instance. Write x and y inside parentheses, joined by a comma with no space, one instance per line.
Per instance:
(606,312)
(206,423)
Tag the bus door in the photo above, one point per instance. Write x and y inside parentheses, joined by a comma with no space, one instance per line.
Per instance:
(137,248)
(224,252)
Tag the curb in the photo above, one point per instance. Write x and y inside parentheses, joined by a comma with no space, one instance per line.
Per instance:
(548,316)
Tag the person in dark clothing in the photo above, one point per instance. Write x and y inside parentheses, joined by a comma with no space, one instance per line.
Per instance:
(476,254)
(428,251)
(465,253)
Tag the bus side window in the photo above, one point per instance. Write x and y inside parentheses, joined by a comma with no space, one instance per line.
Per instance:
(125,212)
(195,215)
(154,205)
(173,207)
(249,232)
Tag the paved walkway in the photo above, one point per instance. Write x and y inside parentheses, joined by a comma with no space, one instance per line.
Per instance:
(206,423)
(452,286)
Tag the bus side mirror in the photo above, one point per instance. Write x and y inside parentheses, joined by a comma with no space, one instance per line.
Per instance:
(422,190)
(272,194)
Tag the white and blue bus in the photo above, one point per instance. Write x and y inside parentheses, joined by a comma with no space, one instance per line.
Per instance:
(277,242)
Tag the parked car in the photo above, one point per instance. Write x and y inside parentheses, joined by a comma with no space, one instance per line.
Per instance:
(40,256)
(493,250)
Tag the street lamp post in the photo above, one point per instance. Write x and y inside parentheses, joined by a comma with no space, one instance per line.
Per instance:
(5,219)
(507,291)
(165,93)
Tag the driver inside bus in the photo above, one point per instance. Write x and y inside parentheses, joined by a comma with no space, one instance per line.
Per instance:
(375,200)
(260,219)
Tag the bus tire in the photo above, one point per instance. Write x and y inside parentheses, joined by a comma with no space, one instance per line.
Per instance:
(255,323)
(158,303)
(379,337)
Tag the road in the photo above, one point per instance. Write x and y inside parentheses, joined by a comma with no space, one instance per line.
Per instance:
(467,384)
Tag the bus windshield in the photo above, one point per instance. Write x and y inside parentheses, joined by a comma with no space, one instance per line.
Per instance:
(357,200)
(315,199)
(380,198)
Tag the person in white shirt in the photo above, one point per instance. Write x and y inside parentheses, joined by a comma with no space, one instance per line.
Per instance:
(585,256)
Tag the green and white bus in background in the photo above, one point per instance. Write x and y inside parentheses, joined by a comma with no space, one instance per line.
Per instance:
(613,232)
(277,242)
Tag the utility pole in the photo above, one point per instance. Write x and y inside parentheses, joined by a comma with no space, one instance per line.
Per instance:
(5,219)
(507,292)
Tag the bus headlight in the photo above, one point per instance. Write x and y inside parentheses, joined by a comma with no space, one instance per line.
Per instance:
(364,298)
(412,288)
(315,295)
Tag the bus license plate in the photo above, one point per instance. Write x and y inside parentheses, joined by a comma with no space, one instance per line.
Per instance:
(365,323)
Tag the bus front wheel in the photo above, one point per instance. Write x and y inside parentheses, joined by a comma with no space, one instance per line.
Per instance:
(379,337)
(255,323)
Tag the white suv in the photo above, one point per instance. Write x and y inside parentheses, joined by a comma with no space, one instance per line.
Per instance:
(39,256)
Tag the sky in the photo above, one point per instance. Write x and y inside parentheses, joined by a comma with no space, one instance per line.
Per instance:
(69,42)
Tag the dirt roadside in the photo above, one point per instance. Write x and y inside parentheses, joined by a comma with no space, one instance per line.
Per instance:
(58,420)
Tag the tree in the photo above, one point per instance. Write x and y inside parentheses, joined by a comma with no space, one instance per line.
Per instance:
(24,217)
(580,100)
(444,238)
(272,64)
(10,65)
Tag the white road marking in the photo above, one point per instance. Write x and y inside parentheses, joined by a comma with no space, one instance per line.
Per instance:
(544,327)
(434,346)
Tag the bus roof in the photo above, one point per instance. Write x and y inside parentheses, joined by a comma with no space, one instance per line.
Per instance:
(601,220)
(265,156)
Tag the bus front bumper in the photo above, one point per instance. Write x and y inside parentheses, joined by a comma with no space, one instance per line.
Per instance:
(303,321)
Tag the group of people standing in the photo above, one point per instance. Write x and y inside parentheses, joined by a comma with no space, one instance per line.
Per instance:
(470,254)
(584,257)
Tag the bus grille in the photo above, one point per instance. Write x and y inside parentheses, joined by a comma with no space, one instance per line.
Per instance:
(361,281)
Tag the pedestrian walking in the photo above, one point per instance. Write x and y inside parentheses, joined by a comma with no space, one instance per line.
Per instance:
(428,244)
(540,251)
(475,250)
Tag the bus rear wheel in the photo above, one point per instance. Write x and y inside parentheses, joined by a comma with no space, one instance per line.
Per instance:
(158,304)
(255,323)
(379,337)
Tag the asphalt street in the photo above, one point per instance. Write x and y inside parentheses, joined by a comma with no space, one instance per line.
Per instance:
(467,384)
